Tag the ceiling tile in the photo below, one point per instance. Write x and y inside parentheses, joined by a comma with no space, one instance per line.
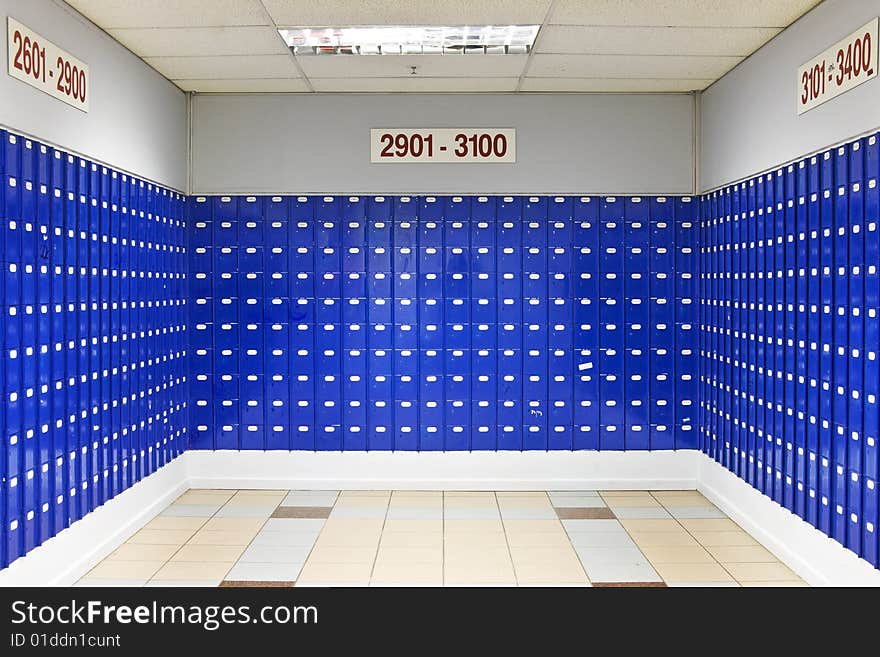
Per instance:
(609,40)
(616,85)
(421,85)
(171,13)
(719,13)
(204,41)
(245,85)
(292,13)
(387,66)
(224,67)
(630,66)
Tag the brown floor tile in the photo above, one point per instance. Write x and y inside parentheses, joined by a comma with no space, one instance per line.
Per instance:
(231,584)
(302,512)
(610,585)
(584,513)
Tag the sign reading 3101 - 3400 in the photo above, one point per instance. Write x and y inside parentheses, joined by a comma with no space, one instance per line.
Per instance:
(42,64)
(442,145)
(845,65)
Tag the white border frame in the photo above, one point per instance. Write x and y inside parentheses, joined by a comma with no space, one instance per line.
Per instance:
(63,559)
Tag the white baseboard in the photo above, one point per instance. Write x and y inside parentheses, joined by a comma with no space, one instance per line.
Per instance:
(444,470)
(820,560)
(67,556)
(61,560)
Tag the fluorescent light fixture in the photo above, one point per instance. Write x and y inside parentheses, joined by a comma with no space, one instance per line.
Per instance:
(411,40)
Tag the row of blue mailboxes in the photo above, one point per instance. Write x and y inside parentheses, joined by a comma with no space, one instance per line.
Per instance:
(357,237)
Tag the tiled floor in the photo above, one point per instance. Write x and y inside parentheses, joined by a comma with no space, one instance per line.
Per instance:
(433,538)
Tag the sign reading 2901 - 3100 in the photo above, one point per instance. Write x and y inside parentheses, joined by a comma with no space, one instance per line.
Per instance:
(443,145)
(42,64)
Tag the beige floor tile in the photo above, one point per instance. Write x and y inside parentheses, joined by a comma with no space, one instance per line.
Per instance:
(234,524)
(778,583)
(761,572)
(521,493)
(418,525)
(538,572)
(473,494)
(411,539)
(478,540)
(353,524)
(222,537)
(142,552)
(692,494)
(724,538)
(624,493)
(710,525)
(689,501)
(342,554)
(364,493)
(258,492)
(335,572)
(416,502)
(254,501)
(742,554)
(460,574)
(644,539)
(203,498)
(633,525)
(409,554)
(193,571)
(214,491)
(471,526)
(161,536)
(363,503)
(420,494)
(124,570)
(175,522)
(463,554)
(430,573)
(543,555)
(221,553)
(538,539)
(658,554)
(516,525)
(692,572)
(462,504)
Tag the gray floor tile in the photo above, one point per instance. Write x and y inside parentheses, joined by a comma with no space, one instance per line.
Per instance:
(110,582)
(528,513)
(578,502)
(293,524)
(275,554)
(303,499)
(602,540)
(591,493)
(264,572)
(617,572)
(581,526)
(614,555)
(281,539)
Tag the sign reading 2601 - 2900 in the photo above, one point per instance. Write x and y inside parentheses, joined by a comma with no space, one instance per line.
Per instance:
(847,64)
(443,145)
(42,64)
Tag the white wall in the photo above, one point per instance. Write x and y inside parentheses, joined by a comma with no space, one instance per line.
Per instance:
(137,119)
(566,144)
(749,118)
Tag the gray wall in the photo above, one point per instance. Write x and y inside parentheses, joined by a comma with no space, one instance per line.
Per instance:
(137,119)
(749,118)
(566,144)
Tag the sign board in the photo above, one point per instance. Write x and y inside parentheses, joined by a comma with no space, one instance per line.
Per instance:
(42,64)
(443,145)
(844,66)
